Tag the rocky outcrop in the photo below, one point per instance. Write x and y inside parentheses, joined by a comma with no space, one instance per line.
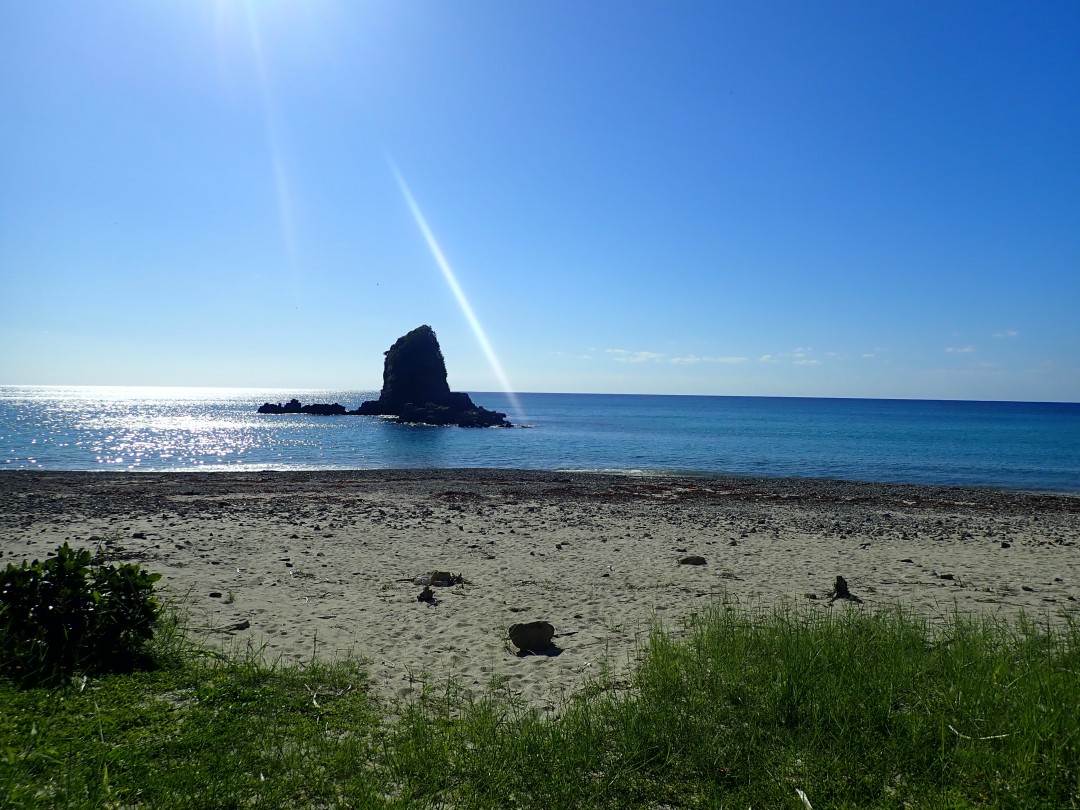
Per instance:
(415,389)
(317,408)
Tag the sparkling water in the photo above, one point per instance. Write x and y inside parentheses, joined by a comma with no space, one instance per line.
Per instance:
(1012,445)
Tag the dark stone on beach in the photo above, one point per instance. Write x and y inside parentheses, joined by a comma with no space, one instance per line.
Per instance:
(426,595)
(415,389)
(532,636)
(1005,544)
(444,579)
(693,559)
(840,591)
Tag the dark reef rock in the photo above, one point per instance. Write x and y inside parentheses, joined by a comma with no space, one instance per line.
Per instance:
(415,388)
(324,409)
(294,406)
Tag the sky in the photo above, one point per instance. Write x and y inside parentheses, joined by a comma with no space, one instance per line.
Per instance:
(850,199)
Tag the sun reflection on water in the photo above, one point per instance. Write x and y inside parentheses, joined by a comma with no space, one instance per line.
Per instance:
(155,428)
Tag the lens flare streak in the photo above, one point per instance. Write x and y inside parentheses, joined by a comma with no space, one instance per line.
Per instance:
(273,138)
(459,294)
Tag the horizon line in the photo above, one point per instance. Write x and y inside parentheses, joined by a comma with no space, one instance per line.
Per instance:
(298,389)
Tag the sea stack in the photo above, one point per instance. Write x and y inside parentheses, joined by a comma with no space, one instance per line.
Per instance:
(415,389)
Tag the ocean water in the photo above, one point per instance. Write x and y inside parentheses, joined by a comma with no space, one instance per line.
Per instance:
(1023,446)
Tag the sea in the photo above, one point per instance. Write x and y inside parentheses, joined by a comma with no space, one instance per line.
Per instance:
(1023,446)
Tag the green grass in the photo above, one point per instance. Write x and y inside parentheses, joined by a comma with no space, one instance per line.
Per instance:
(858,710)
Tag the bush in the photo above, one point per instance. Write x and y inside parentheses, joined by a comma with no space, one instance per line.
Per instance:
(71,612)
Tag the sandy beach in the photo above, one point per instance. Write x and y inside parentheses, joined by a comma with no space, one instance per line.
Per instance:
(291,563)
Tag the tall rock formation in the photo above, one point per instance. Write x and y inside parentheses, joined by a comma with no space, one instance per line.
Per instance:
(415,389)
(414,370)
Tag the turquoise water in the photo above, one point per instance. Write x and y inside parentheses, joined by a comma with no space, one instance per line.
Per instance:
(1027,446)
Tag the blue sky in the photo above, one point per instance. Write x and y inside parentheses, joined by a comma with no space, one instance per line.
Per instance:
(810,199)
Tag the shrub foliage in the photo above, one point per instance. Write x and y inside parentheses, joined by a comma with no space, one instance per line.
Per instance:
(71,613)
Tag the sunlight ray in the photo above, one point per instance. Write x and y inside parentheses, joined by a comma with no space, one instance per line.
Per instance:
(273,139)
(459,293)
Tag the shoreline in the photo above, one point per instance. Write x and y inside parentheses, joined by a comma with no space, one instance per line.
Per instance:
(1072,491)
(578,481)
(325,560)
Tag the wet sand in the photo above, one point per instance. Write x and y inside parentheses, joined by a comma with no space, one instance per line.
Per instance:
(291,563)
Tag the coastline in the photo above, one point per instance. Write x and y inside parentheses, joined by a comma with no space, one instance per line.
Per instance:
(325,560)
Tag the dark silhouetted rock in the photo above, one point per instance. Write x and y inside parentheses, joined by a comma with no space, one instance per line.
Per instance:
(322,409)
(532,636)
(415,388)
(693,559)
(294,406)
(414,371)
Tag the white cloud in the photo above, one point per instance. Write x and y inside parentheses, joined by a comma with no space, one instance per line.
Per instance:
(800,356)
(1007,333)
(960,349)
(691,359)
(624,356)
(627,356)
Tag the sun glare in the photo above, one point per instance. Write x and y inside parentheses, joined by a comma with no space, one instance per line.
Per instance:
(243,15)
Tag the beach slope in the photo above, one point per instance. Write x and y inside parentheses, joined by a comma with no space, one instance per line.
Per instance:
(326,563)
